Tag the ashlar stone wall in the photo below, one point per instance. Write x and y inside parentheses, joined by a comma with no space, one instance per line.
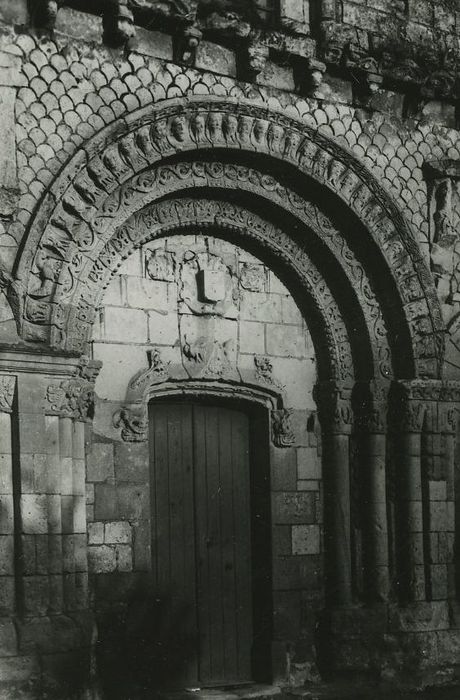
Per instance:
(257,336)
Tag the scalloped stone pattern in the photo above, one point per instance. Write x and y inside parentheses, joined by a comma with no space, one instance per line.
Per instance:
(74,91)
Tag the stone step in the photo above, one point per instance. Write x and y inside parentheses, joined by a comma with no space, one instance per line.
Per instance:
(236,692)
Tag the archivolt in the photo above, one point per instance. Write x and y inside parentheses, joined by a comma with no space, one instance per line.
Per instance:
(94,193)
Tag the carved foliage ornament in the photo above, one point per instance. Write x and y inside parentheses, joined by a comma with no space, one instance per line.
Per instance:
(133,423)
(71,398)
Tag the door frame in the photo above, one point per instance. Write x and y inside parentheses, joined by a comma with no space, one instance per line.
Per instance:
(258,402)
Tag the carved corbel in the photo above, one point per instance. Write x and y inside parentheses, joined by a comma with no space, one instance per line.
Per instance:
(309,77)
(133,423)
(367,79)
(44,13)
(333,399)
(257,57)
(282,431)
(186,45)
(118,23)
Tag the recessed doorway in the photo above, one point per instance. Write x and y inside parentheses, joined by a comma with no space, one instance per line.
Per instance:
(211,540)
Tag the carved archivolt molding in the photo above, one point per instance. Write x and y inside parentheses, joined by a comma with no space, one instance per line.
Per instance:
(169,216)
(70,225)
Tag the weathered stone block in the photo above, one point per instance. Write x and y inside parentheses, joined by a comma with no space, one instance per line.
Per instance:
(163,329)
(144,293)
(439,581)
(306,539)
(297,572)
(276,76)
(34,514)
(286,341)
(8,639)
(438,516)
(105,502)
(101,559)
(252,337)
(154,44)
(124,557)
(281,540)
(6,478)
(95,533)
(294,507)
(286,618)
(437,491)
(6,515)
(132,462)
(132,502)
(122,325)
(7,595)
(308,463)
(6,555)
(117,533)
(36,594)
(306,485)
(142,546)
(283,469)
(119,364)
(261,307)
(99,462)
(215,58)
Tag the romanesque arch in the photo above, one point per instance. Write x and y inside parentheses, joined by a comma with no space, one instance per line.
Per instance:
(309,209)
(83,227)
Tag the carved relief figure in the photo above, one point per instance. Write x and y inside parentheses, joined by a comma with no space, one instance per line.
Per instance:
(282,431)
(160,265)
(207,286)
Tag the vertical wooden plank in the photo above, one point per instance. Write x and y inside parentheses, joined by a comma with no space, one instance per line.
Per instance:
(229,548)
(201,537)
(242,530)
(160,499)
(173,537)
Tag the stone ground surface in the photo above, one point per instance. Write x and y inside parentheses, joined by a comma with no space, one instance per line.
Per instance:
(326,692)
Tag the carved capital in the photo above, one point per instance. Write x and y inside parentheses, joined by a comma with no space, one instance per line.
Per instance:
(7,386)
(333,399)
(71,398)
(133,422)
(371,402)
(282,431)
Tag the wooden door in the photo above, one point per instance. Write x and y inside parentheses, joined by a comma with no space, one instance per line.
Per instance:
(202,540)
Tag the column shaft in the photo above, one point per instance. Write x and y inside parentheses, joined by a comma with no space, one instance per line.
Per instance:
(337,517)
(377,558)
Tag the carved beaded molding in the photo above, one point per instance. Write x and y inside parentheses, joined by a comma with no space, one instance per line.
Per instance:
(113,174)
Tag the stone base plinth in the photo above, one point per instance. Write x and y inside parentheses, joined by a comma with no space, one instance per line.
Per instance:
(409,647)
(49,656)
